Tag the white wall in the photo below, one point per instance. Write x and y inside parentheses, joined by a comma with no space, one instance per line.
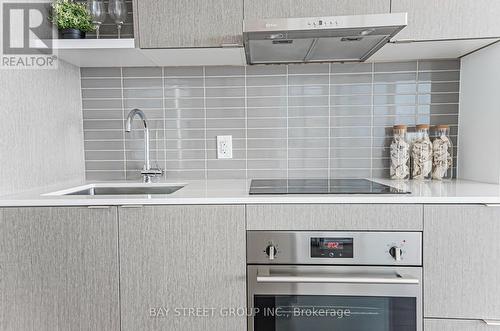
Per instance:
(41,136)
(479,116)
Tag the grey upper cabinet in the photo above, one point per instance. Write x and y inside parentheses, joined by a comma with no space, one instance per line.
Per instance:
(59,269)
(448,19)
(188,23)
(461,260)
(174,257)
(311,8)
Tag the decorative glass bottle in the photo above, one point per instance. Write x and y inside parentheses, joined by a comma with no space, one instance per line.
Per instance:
(421,153)
(400,154)
(442,149)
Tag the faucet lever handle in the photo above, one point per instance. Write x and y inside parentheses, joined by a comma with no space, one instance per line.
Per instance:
(153,172)
(147,175)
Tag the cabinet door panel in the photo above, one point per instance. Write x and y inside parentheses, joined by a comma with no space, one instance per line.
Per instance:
(59,269)
(328,217)
(448,19)
(189,23)
(461,259)
(182,257)
(457,325)
(300,8)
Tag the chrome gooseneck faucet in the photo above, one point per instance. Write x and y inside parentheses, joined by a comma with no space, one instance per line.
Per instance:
(147,172)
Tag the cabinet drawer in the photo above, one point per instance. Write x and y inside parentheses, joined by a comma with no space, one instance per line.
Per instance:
(335,217)
(457,325)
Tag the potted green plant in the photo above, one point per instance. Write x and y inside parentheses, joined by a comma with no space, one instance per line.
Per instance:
(71,18)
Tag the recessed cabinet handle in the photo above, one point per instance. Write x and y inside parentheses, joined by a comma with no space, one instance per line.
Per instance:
(492,204)
(492,322)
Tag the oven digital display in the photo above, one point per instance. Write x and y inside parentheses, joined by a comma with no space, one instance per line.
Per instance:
(336,248)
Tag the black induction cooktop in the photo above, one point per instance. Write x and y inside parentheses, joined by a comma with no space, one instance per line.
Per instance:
(321,186)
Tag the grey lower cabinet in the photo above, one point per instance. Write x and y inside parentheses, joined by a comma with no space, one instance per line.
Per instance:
(448,19)
(461,260)
(299,8)
(457,325)
(59,269)
(177,258)
(328,217)
(188,23)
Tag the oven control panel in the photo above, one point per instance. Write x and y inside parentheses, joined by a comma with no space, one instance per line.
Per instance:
(332,248)
(339,247)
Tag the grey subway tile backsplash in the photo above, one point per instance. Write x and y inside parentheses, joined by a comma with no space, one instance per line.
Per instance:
(430,65)
(310,121)
(100,72)
(395,66)
(100,83)
(395,77)
(315,68)
(349,68)
(101,93)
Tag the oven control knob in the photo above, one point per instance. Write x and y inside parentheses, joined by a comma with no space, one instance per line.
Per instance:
(271,251)
(396,253)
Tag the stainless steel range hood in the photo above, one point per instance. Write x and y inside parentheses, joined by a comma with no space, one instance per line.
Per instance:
(319,39)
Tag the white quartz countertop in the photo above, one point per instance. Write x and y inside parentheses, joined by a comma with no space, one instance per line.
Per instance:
(236,192)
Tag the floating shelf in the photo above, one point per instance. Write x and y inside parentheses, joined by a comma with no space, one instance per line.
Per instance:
(126,43)
(123,53)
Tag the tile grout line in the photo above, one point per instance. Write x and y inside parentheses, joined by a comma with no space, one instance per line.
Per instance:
(123,126)
(163,78)
(205,120)
(287,126)
(329,118)
(246,126)
(82,125)
(416,97)
(372,109)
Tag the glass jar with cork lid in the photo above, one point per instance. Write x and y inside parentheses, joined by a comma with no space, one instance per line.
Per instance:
(421,153)
(400,153)
(442,150)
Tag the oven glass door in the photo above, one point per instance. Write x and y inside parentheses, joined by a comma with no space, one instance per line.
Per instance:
(290,298)
(328,312)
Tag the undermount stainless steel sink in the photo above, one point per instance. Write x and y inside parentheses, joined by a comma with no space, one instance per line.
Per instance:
(123,189)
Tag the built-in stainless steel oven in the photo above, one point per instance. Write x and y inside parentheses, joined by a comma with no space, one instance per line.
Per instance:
(324,281)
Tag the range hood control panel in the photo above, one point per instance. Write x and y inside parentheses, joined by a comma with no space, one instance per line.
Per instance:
(320,23)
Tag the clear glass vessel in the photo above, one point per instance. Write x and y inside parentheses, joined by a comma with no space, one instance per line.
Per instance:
(400,153)
(117,10)
(421,153)
(98,12)
(442,149)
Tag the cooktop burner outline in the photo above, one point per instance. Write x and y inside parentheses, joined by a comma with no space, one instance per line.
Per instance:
(321,186)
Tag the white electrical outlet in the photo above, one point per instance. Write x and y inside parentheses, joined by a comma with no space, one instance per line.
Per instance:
(224,147)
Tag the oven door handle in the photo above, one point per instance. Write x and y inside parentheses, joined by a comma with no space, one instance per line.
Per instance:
(397,279)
